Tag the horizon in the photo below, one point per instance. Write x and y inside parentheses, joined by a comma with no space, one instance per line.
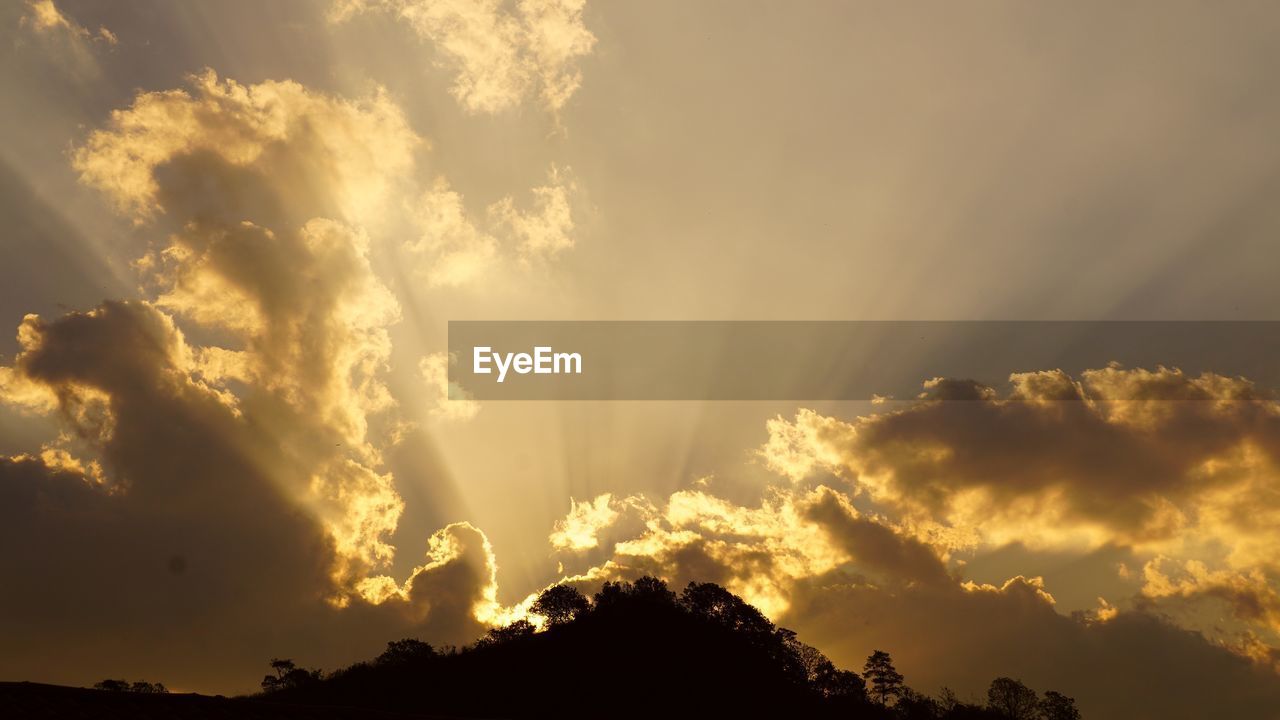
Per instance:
(235,423)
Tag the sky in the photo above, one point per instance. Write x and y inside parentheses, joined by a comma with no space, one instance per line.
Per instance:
(234,233)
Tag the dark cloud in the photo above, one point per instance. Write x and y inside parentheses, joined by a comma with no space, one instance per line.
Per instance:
(1134,665)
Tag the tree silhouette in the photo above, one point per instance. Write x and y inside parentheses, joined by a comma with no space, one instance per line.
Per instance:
(404,651)
(648,592)
(823,676)
(112,685)
(497,636)
(705,653)
(561,604)
(1056,706)
(886,681)
(715,603)
(652,589)
(1012,700)
(912,705)
(288,676)
(141,686)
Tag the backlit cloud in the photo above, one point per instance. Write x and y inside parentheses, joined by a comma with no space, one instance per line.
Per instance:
(44,17)
(315,154)
(1152,460)
(1177,473)
(453,249)
(451,403)
(500,55)
(253,456)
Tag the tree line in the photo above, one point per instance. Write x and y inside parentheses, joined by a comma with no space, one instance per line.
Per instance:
(705,648)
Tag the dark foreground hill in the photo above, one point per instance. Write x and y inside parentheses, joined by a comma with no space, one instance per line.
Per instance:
(637,652)
(634,651)
(23,700)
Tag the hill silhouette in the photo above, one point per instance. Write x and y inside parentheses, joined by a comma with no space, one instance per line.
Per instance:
(639,650)
(634,650)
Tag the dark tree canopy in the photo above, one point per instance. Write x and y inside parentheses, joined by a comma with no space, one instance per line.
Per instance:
(561,604)
(637,650)
(288,676)
(704,653)
(1056,706)
(403,651)
(507,633)
(112,685)
(715,603)
(1012,700)
(139,686)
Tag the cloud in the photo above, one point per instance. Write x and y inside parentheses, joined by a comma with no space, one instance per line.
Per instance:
(43,17)
(1175,454)
(853,583)
(1152,460)
(189,530)
(580,529)
(500,56)
(544,231)
(1135,664)
(248,152)
(264,182)
(60,40)
(1147,461)
(755,552)
(454,250)
(452,402)
(229,492)
(456,586)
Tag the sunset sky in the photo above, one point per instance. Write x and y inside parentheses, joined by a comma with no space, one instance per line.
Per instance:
(234,231)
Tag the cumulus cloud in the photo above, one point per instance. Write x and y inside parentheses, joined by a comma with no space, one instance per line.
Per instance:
(228,493)
(264,182)
(1162,463)
(1172,468)
(581,528)
(189,518)
(1144,458)
(756,552)
(453,249)
(1135,664)
(853,582)
(501,56)
(245,152)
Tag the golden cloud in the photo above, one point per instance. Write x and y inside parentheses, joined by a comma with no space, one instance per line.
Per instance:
(500,56)
(44,17)
(325,154)
(454,250)
(1151,460)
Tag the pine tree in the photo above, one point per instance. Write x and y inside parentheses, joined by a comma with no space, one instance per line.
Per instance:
(885,681)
